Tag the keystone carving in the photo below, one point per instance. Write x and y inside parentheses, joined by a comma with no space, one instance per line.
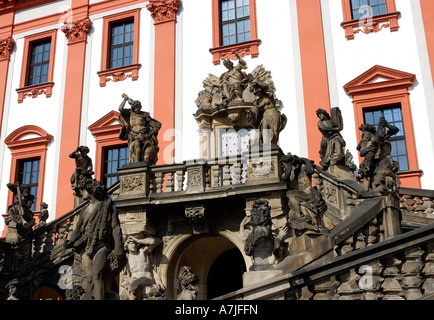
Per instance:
(196,215)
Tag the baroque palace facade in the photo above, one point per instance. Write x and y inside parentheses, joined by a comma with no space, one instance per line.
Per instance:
(354,81)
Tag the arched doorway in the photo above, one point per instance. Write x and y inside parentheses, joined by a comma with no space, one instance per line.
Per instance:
(200,252)
(226,273)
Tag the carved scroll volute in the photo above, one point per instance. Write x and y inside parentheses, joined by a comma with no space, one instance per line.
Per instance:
(6,47)
(163,10)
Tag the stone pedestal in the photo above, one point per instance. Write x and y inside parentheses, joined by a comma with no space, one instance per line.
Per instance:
(263,164)
(256,277)
(134,181)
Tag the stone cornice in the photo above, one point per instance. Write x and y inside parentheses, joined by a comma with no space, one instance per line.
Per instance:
(163,10)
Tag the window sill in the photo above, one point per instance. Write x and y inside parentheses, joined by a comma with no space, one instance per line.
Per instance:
(388,20)
(119,74)
(228,52)
(35,90)
(410,178)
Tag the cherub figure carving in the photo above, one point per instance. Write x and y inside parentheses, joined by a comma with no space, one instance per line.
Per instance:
(83,166)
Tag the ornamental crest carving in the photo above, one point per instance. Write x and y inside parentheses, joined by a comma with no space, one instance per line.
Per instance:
(133,184)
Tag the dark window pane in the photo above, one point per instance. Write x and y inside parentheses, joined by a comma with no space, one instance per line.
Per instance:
(393,116)
(39,62)
(121,46)
(365,8)
(29,177)
(114,159)
(235,21)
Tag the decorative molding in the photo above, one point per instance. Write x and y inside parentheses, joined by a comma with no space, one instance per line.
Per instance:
(14,139)
(119,74)
(36,90)
(163,10)
(371,24)
(6,47)
(390,78)
(228,52)
(77,32)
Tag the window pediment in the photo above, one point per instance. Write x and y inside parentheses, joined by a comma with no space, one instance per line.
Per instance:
(379,77)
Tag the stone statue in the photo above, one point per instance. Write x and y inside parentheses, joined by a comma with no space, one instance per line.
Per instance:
(83,165)
(20,219)
(332,149)
(250,98)
(188,281)
(97,238)
(305,202)
(12,287)
(378,170)
(271,120)
(234,80)
(260,242)
(140,130)
(140,275)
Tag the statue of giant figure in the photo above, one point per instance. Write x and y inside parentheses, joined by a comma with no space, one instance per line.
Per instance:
(140,130)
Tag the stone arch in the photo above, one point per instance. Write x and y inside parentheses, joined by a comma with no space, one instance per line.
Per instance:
(200,252)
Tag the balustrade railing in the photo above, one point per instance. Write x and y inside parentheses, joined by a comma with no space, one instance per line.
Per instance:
(200,175)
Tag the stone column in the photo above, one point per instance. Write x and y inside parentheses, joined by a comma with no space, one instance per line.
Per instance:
(72,106)
(164,13)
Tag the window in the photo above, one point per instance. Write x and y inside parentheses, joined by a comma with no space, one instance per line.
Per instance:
(235,21)
(29,177)
(39,62)
(38,65)
(110,152)
(122,42)
(369,16)
(114,158)
(393,116)
(386,90)
(367,8)
(28,145)
(234,29)
(120,47)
